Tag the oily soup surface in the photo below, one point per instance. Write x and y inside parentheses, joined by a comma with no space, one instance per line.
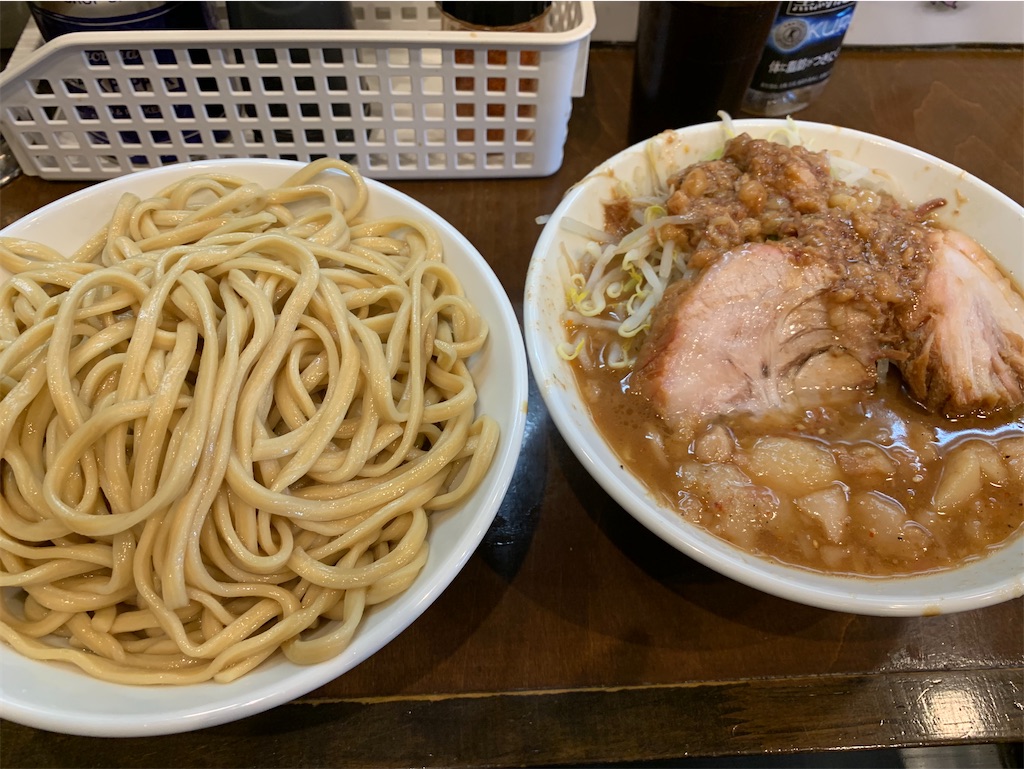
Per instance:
(772,495)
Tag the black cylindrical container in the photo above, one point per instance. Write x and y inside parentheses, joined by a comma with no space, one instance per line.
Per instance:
(694,59)
(506,16)
(252,14)
(60,18)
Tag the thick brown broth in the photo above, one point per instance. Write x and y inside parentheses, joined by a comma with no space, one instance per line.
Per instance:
(889,456)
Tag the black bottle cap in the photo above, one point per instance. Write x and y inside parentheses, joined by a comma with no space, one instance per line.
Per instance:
(276,14)
(493,14)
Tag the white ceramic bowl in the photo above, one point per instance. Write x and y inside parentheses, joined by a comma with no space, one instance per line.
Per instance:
(60,698)
(975,208)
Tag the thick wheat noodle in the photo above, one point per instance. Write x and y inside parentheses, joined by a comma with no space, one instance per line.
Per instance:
(224,424)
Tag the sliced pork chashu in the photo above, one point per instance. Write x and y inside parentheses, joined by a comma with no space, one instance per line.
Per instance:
(757,331)
(806,283)
(965,334)
(750,334)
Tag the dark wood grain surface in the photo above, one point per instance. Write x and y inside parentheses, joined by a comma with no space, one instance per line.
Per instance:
(574,635)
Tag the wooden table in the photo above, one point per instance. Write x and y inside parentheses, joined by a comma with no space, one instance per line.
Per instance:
(574,635)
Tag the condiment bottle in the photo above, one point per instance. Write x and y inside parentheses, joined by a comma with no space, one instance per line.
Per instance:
(798,56)
(693,59)
(255,14)
(60,18)
(494,16)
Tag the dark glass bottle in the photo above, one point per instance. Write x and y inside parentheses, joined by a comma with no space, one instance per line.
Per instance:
(692,60)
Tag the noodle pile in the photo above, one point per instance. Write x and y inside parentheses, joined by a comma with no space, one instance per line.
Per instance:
(224,422)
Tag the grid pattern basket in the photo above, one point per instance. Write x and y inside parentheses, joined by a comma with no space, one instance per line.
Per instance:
(397,96)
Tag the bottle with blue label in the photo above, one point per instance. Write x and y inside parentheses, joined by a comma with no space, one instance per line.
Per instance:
(798,56)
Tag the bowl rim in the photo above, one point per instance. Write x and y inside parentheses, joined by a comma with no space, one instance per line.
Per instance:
(839,592)
(252,696)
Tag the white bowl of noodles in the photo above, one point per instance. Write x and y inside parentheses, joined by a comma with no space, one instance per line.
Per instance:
(57,696)
(977,209)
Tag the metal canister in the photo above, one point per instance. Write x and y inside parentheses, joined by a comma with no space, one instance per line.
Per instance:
(61,18)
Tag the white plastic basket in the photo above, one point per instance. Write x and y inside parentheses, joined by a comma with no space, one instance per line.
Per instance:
(397,96)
